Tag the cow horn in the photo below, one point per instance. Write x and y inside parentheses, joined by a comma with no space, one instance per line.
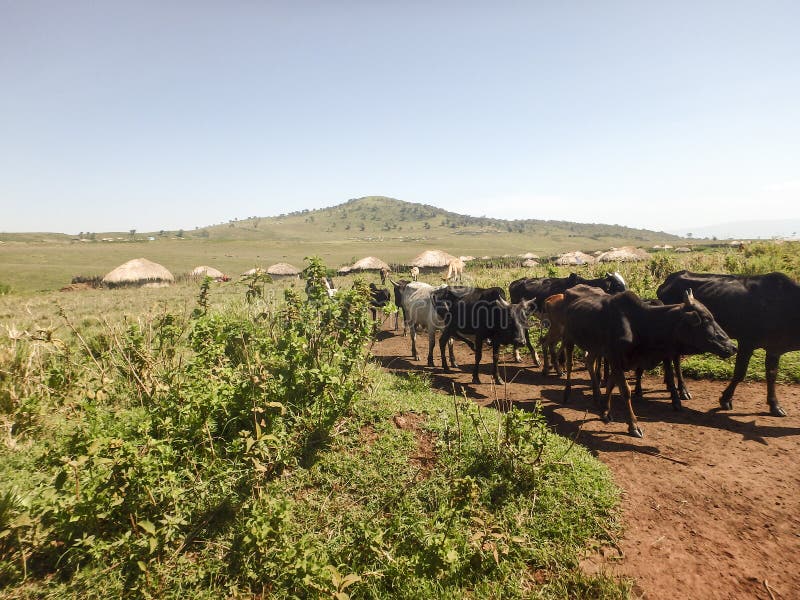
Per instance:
(503,302)
(688,296)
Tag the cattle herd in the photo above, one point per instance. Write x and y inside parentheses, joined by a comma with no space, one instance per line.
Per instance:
(618,331)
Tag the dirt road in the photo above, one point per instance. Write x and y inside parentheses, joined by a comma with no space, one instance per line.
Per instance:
(711,499)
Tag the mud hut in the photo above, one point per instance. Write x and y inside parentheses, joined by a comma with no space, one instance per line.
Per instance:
(344,270)
(624,254)
(283,270)
(529,256)
(141,272)
(683,249)
(432,259)
(576,258)
(206,271)
(253,271)
(370,263)
(530,263)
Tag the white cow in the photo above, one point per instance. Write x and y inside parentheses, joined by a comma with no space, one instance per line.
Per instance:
(414,273)
(418,308)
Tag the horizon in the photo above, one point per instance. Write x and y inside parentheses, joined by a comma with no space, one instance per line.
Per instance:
(668,118)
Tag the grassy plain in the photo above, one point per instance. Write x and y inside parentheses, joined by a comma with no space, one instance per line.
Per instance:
(393,230)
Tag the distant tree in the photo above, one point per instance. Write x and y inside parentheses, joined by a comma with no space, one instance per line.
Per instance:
(179,234)
(133,234)
(361,227)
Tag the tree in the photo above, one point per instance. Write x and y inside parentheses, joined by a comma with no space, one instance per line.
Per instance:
(133,234)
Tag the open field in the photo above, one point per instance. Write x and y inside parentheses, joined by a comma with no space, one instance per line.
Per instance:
(395,231)
(103,375)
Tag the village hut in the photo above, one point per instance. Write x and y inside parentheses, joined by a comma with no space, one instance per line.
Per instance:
(530,263)
(370,263)
(253,271)
(624,254)
(529,256)
(683,249)
(486,257)
(466,258)
(432,259)
(139,271)
(576,258)
(344,270)
(206,271)
(283,269)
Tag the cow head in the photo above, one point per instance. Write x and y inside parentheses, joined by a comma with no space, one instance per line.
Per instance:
(700,331)
(519,319)
(615,283)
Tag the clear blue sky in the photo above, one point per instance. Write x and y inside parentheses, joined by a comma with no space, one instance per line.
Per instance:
(166,115)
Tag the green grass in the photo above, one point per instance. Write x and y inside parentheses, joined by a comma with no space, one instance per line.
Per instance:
(130,471)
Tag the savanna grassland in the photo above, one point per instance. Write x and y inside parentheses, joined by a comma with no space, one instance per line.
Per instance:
(237,440)
(394,230)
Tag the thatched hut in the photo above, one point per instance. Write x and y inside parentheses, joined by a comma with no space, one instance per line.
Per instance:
(206,271)
(529,256)
(139,271)
(466,258)
(253,271)
(344,270)
(283,269)
(624,254)
(683,249)
(432,259)
(370,263)
(576,258)
(530,263)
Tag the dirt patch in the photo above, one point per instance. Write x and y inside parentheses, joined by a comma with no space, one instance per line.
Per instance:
(711,499)
(425,456)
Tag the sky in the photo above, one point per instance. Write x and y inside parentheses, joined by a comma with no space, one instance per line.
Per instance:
(166,115)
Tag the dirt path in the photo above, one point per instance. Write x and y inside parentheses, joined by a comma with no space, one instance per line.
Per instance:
(711,499)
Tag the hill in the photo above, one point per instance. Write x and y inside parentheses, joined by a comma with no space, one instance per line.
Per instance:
(371,217)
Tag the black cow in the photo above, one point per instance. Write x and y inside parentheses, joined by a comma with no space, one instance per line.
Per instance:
(484,314)
(378,298)
(541,288)
(629,333)
(759,311)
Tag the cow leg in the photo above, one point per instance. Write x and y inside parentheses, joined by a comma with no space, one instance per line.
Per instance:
(683,391)
(739,371)
(431,344)
(669,379)
(568,384)
(478,356)
(517,357)
(413,329)
(625,392)
(771,364)
(495,359)
(591,359)
(532,350)
(638,394)
(443,339)
(546,354)
(452,354)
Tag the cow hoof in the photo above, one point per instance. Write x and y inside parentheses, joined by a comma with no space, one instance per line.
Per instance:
(776,411)
(475,380)
(430,363)
(637,396)
(726,404)
(635,431)
(454,363)
(685,395)
(499,381)
(676,405)
(606,416)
